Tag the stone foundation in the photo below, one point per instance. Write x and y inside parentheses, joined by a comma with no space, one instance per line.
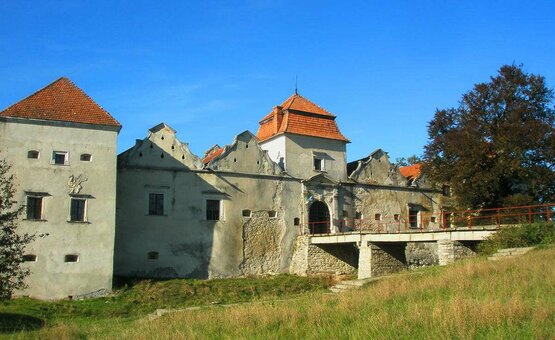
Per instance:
(382,259)
(451,251)
(421,254)
(323,259)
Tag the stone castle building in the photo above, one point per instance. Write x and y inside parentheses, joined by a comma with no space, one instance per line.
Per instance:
(241,209)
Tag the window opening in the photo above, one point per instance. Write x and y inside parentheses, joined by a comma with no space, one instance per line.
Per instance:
(29,258)
(152,255)
(60,158)
(86,157)
(155,204)
(296,221)
(71,258)
(33,154)
(378,217)
(34,208)
(318,164)
(77,213)
(213,210)
(413,218)
(272,214)
(246,213)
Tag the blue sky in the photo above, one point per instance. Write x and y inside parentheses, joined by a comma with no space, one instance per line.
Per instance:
(213,69)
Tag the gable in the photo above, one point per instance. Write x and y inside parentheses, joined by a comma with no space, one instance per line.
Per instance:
(244,155)
(161,148)
(376,169)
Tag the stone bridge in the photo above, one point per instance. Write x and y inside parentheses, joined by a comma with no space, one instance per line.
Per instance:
(373,254)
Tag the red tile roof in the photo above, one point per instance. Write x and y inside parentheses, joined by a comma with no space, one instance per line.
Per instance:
(212,155)
(61,101)
(412,171)
(299,115)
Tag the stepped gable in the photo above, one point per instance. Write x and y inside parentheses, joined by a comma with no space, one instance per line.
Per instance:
(298,115)
(62,101)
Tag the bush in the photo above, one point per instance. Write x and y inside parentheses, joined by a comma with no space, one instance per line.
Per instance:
(518,236)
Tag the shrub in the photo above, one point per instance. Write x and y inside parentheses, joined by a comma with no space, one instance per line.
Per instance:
(519,236)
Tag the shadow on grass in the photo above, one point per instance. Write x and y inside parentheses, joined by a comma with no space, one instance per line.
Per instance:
(13,322)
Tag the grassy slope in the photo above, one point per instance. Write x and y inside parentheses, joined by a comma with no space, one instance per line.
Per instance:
(146,296)
(513,298)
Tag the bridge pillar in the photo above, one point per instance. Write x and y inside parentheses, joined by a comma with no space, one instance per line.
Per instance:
(450,251)
(377,259)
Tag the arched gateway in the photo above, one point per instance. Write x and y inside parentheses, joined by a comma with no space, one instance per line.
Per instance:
(319,218)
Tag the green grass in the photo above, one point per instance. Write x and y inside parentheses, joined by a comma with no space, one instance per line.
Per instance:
(144,297)
(519,236)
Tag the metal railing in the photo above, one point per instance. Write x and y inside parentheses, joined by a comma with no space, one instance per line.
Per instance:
(439,220)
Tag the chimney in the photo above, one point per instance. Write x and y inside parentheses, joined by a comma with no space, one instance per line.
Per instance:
(277,118)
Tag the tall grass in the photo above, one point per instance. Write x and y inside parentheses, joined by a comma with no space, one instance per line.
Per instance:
(510,299)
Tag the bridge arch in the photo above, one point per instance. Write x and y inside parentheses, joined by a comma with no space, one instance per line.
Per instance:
(319,218)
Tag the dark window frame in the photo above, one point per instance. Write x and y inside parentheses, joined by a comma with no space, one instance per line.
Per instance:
(34,207)
(213,210)
(155,204)
(77,210)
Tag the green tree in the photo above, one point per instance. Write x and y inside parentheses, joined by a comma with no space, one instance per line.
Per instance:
(497,148)
(12,244)
(411,160)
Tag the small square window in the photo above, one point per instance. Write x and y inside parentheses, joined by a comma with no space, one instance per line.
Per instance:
(156,204)
(358,215)
(272,214)
(60,158)
(296,221)
(86,157)
(246,213)
(378,217)
(33,154)
(71,258)
(152,255)
(34,208)
(318,164)
(433,219)
(396,217)
(77,210)
(213,210)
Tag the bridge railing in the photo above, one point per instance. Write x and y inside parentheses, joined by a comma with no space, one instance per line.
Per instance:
(439,220)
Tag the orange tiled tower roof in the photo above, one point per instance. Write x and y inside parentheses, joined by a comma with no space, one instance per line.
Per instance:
(61,101)
(298,115)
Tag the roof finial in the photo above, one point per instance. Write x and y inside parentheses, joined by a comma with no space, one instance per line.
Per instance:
(296,91)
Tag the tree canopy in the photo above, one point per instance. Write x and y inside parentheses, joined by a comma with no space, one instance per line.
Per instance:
(12,244)
(497,148)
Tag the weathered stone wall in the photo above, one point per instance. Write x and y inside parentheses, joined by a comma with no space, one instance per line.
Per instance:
(388,259)
(262,237)
(299,258)
(451,251)
(421,254)
(335,259)
(327,259)
(381,259)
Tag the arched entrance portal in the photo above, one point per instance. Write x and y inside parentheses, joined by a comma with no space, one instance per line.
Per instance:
(319,218)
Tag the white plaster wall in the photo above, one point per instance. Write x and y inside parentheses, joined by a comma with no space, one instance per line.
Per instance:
(300,150)
(276,149)
(51,277)
(188,244)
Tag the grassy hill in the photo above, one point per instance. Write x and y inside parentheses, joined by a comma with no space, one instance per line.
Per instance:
(513,298)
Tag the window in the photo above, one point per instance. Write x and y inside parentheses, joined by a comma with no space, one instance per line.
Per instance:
(246,213)
(213,210)
(413,218)
(446,189)
(152,255)
(60,158)
(296,221)
(86,157)
(345,214)
(318,163)
(433,219)
(29,258)
(358,215)
(33,154)
(77,210)
(71,258)
(272,214)
(156,204)
(378,217)
(396,217)
(34,208)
